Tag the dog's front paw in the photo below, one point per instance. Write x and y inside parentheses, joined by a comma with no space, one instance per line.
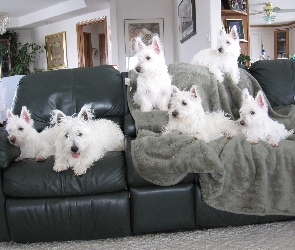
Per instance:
(20,158)
(60,167)
(80,170)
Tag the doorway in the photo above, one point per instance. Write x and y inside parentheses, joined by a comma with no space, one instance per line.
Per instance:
(87,50)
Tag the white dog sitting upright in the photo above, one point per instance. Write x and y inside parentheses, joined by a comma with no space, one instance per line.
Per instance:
(154,81)
(186,114)
(256,124)
(223,59)
(81,140)
(22,134)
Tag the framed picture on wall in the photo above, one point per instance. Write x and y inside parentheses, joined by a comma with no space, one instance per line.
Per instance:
(56,50)
(239,5)
(186,19)
(229,23)
(146,29)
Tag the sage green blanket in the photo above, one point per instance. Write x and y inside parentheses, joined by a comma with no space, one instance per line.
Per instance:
(235,176)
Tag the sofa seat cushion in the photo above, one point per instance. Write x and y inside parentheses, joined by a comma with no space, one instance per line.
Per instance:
(277,80)
(29,178)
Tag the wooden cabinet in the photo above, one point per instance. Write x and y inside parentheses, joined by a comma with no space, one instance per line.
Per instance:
(243,19)
(281,44)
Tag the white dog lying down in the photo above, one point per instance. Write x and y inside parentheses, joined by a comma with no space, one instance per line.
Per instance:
(186,114)
(256,124)
(81,140)
(22,134)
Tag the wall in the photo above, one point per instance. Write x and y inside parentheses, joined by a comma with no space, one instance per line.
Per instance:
(142,9)
(208,24)
(261,36)
(37,35)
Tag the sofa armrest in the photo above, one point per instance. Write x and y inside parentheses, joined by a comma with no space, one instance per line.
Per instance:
(129,126)
(8,152)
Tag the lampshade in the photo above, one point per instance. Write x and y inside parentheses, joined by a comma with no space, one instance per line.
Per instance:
(4,21)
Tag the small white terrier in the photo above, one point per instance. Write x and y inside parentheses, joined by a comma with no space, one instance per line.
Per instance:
(224,59)
(186,114)
(154,81)
(81,140)
(22,134)
(256,124)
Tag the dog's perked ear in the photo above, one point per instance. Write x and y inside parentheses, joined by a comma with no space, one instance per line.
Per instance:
(234,32)
(9,113)
(139,45)
(157,46)
(25,114)
(194,91)
(246,96)
(175,90)
(260,99)
(222,32)
(56,117)
(86,113)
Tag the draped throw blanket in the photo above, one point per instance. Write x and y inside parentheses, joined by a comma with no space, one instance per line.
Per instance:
(235,176)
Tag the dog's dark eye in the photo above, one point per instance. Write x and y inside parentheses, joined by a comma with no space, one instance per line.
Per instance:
(80,134)
(148,58)
(252,112)
(67,135)
(184,103)
(20,129)
(227,42)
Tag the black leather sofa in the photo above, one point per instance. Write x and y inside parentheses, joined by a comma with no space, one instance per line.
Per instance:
(111,199)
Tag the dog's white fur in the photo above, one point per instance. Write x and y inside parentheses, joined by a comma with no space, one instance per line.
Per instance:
(22,134)
(81,140)
(154,81)
(224,58)
(186,114)
(256,124)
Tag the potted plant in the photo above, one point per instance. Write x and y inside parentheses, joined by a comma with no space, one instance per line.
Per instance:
(22,55)
(242,59)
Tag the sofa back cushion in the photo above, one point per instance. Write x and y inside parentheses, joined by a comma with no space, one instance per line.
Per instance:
(68,90)
(277,80)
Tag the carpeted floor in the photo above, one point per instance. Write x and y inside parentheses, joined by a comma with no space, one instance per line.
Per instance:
(274,236)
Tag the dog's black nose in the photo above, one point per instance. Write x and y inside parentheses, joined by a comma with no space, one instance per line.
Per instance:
(242,122)
(12,139)
(174,113)
(74,149)
(138,69)
(220,49)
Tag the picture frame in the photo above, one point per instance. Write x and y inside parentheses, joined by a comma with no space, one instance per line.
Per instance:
(229,23)
(227,4)
(146,29)
(239,5)
(56,50)
(187,19)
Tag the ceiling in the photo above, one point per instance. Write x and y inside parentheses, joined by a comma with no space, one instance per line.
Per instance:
(281,18)
(26,14)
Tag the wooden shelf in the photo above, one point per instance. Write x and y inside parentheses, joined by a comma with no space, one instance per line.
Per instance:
(233,13)
(243,41)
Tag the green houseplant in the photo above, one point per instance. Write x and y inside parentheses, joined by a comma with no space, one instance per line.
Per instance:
(242,59)
(22,55)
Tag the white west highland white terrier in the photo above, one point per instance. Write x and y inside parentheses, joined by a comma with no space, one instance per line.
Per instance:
(154,81)
(224,59)
(81,140)
(186,114)
(22,134)
(256,124)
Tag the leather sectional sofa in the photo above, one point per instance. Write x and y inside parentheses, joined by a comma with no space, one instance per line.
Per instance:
(111,199)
